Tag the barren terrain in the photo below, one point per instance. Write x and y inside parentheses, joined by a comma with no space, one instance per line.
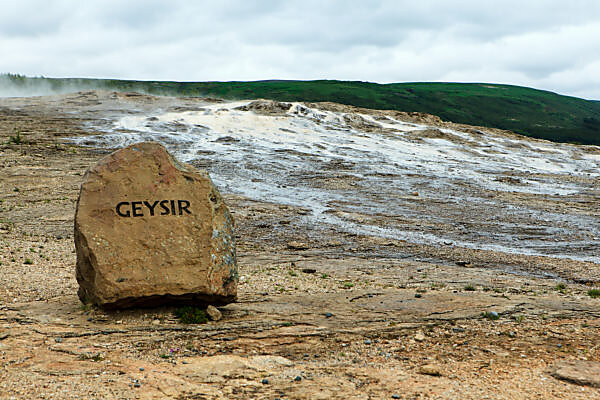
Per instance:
(437,265)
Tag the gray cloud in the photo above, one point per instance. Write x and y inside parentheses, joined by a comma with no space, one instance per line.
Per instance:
(546,44)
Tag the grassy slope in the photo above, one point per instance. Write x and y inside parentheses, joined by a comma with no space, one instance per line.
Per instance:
(527,111)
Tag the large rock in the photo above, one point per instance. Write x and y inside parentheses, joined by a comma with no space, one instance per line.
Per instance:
(150,231)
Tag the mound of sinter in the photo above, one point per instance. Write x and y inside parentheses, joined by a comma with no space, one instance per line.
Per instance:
(151,231)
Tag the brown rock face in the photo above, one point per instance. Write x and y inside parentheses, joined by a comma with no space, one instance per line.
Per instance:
(151,231)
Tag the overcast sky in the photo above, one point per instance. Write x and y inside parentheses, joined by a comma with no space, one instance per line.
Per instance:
(553,45)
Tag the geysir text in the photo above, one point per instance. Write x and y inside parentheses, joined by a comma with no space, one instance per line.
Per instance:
(152,208)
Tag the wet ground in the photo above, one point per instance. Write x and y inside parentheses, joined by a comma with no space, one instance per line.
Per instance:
(382,174)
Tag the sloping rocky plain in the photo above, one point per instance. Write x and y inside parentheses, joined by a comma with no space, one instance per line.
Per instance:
(395,256)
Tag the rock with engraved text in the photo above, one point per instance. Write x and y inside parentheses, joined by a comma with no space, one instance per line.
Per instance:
(151,231)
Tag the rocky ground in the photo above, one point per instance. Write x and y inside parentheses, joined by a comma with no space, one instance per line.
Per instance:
(321,313)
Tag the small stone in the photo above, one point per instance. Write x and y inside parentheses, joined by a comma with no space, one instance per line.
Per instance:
(418,295)
(294,245)
(156,322)
(458,330)
(298,378)
(431,370)
(328,315)
(309,270)
(395,396)
(137,385)
(214,313)
(141,368)
(367,341)
(265,381)
(58,340)
(419,337)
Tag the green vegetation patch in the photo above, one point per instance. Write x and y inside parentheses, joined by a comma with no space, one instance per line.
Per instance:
(594,293)
(191,315)
(16,138)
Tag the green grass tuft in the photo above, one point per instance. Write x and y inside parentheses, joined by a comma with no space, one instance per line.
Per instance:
(16,139)
(191,315)
(594,293)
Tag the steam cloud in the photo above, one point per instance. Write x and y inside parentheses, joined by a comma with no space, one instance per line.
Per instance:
(13,85)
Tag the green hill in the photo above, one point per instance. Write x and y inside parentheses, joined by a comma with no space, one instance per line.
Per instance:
(527,111)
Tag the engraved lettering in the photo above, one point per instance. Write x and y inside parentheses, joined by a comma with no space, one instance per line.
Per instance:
(151,207)
(164,207)
(183,206)
(135,207)
(121,213)
(167,207)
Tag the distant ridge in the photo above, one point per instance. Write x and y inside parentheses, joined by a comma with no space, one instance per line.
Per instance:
(531,112)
